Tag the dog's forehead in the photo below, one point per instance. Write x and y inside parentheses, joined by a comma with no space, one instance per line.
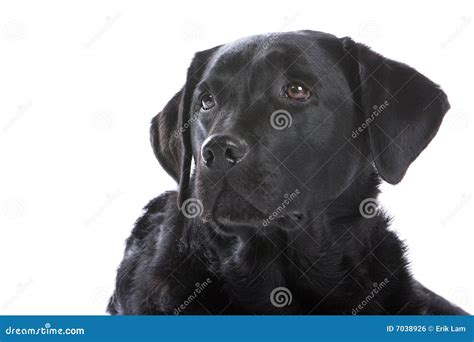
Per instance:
(279,50)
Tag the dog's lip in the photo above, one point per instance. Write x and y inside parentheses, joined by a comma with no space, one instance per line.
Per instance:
(236,197)
(287,222)
(253,217)
(239,211)
(215,211)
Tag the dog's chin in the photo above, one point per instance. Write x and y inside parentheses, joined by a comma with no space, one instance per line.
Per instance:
(230,208)
(232,213)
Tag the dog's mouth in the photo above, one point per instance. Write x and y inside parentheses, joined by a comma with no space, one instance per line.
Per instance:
(231,210)
(229,206)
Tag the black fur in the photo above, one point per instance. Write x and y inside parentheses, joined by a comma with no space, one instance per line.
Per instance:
(289,213)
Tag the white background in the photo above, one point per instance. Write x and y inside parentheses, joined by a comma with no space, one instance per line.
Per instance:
(80,82)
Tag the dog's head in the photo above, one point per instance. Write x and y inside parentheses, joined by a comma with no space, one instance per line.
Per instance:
(272,125)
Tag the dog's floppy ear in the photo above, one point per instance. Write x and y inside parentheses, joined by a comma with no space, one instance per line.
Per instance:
(165,137)
(403,109)
(170,130)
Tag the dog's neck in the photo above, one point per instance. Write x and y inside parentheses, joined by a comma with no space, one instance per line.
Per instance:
(317,249)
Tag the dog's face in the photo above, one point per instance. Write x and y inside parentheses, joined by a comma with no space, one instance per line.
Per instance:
(276,125)
(267,121)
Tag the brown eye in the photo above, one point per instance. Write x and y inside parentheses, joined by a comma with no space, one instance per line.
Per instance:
(207,101)
(296,92)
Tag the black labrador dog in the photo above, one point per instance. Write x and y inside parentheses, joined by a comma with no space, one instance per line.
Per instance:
(278,143)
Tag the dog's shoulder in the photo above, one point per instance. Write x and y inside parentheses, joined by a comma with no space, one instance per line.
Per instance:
(141,246)
(155,213)
(430,303)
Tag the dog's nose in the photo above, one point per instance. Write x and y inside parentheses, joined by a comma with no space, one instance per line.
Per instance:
(223,151)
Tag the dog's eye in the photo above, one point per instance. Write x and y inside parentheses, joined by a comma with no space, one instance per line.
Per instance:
(207,101)
(296,92)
